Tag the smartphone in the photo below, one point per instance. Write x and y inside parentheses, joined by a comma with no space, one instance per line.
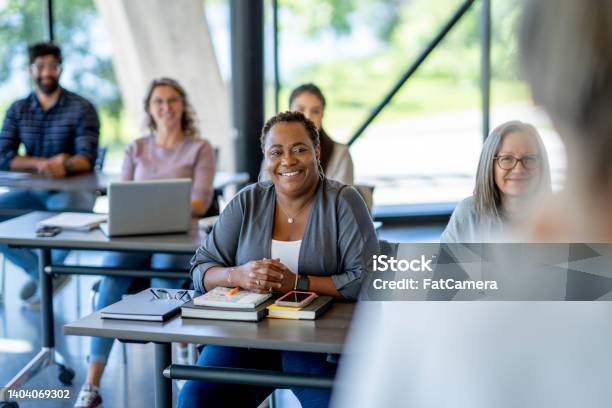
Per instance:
(296,299)
(48,231)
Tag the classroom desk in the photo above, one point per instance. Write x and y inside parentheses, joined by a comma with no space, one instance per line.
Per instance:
(20,232)
(96,182)
(324,335)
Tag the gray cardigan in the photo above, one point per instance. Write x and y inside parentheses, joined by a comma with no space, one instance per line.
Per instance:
(339,237)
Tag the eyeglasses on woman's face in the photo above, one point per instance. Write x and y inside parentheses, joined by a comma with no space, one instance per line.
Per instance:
(529,162)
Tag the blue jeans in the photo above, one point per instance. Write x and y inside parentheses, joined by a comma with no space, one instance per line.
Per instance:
(113,288)
(204,393)
(27,259)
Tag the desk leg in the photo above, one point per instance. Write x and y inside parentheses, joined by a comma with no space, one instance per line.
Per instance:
(46,299)
(163,385)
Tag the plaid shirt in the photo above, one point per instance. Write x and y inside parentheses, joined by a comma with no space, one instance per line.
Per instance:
(71,126)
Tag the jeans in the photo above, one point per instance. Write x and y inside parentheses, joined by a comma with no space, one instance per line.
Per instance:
(27,259)
(113,288)
(204,393)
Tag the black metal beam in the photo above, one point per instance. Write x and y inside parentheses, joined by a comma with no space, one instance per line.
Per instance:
(246,21)
(485,66)
(413,68)
(138,273)
(49,15)
(248,376)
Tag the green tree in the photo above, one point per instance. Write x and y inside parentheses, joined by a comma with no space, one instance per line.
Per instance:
(317,16)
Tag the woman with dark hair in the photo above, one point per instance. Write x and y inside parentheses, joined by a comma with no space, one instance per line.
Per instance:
(513,173)
(297,230)
(173,149)
(336,161)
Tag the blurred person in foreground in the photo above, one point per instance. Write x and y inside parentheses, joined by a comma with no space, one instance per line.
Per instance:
(509,354)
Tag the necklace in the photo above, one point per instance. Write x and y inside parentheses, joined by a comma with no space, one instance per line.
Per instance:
(291,219)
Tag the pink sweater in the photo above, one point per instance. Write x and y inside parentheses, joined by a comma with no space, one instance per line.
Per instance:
(192,158)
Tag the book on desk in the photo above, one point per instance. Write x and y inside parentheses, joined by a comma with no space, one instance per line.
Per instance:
(223,303)
(190,310)
(144,306)
(74,221)
(226,307)
(234,298)
(309,312)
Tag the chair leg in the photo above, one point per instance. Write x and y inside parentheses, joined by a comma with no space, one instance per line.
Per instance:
(272,399)
(193,353)
(92,296)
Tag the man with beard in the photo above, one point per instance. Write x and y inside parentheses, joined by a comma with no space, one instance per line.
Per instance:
(59,132)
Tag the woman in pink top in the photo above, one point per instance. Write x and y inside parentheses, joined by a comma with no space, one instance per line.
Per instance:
(172,150)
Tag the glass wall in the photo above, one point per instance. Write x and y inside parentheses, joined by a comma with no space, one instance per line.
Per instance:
(424,146)
(87,65)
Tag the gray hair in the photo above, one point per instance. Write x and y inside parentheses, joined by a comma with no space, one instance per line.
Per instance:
(487,197)
(189,119)
(566,57)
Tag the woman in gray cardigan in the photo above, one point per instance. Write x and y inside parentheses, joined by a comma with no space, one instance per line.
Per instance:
(298,230)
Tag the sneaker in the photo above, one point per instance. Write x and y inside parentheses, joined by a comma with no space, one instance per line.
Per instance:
(28,290)
(89,397)
(33,303)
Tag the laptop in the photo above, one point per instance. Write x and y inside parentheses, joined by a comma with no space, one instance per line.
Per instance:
(148,207)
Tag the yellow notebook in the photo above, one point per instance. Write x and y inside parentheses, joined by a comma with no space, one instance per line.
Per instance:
(309,312)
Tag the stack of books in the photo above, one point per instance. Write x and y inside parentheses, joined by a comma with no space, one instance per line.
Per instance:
(228,304)
(309,312)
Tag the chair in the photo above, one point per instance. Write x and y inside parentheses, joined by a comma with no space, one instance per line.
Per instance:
(99,163)
(367,193)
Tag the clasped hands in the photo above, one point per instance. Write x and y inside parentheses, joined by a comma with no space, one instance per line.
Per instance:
(265,275)
(54,166)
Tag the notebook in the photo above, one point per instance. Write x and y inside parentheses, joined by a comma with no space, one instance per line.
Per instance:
(190,310)
(309,312)
(223,297)
(74,221)
(143,306)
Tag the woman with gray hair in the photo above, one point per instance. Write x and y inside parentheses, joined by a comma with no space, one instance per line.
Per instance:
(513,172)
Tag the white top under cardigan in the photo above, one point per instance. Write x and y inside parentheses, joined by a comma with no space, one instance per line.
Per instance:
(288,252)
